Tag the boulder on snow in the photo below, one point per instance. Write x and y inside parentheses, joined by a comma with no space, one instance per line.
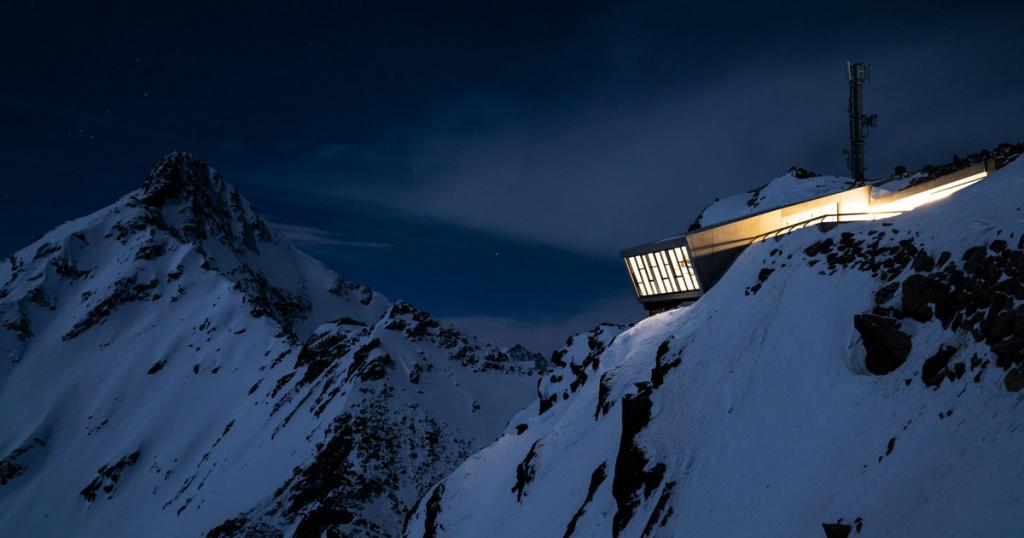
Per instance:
(887,347)
(836,530)
(1014,380)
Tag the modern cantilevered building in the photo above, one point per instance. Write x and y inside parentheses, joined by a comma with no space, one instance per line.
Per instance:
(679,269)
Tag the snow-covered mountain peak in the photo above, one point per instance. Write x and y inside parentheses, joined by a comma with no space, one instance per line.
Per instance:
(186,237)
(196,201)
(180,175)
(170,363)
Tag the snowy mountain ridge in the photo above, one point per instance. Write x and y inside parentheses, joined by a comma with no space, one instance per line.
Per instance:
(172,367)
(798,185)
(863,380)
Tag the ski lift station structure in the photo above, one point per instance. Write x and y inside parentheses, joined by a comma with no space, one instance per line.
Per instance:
(679,269)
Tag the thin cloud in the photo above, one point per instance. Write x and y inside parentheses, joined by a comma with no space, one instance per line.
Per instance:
(309,235)
(614,169)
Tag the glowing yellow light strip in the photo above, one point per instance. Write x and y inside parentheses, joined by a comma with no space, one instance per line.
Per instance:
(926,197)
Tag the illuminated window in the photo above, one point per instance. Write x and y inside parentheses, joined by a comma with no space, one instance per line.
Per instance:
(663,271)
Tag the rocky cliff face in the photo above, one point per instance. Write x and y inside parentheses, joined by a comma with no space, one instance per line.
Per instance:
(864,380)
(173,367)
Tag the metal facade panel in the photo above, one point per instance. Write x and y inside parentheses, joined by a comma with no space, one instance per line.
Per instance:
(715,248)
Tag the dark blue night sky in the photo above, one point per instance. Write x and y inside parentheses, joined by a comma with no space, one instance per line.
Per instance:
(485,160)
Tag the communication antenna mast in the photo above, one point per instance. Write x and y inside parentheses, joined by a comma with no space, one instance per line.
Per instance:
(857,73)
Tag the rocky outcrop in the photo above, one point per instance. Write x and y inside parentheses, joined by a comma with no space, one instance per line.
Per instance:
(887,347)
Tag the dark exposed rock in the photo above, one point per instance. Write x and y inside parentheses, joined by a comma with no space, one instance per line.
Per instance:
(556,357)
(151,251)
(322,520)
(918,291)
(820,247)
(572,366)
(38,297)
(242,527)
(228,528)
(662,366)
(935,368)
(666,494)
(973,258)
(126,290)
(836,530)
(266,300)
(923,262)
(10,469)
(1001,154)
(979,297)
(45,250)
(887,347)
(67,269)
(596,479)
(176,273)
(580,371)
(318,483)
(157,366)
(430,525)
(631,464)
(1014,380)
(885,293)
(755,196)
(525,471)
(367,368)
(20,325)
(11,466)
(999,323)
(802,173)
(547,403)
(1008,352)
(214,210)
(281,382)
(352,291)
(604,388)
(108,476)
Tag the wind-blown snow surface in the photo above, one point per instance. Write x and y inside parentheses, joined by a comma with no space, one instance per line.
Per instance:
(170,365)
(857,381)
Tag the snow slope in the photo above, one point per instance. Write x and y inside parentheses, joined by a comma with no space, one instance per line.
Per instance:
(171,365)
(860,381)
(794,186)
